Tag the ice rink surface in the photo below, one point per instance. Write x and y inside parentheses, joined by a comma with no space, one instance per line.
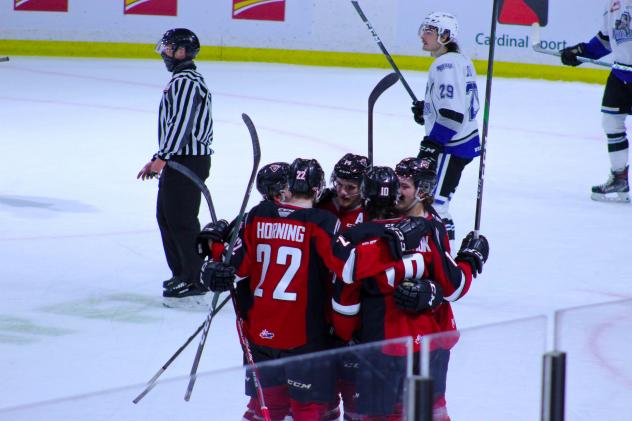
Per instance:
(81,258)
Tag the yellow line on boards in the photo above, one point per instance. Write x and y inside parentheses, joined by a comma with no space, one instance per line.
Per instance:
(299,57)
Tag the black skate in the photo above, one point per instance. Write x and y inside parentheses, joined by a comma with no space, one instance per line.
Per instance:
(616,189)
(170,283)
(186,295)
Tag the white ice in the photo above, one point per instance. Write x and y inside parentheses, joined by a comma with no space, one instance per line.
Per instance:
(81,262)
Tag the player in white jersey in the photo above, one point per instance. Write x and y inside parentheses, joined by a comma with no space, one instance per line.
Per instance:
(448,110)
(614,37)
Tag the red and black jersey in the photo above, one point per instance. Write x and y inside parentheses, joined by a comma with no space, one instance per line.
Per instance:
(348,217)
(455,279)
(363,300)
(285,257)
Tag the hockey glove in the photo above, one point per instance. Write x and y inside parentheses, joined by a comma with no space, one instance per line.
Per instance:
(325,195)
(415,296)
(430,149)
(569,54)
(216,276)
(474,251)
(213,231)
(418,112)
(406,235)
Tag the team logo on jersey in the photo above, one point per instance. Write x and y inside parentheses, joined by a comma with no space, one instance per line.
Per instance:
(524,12)
(266,334)
(259,10)
(41,5)
(151,7)
(622,31)
(284,212)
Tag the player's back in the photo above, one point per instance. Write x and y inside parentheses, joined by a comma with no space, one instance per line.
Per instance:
(366,290)
(288,276)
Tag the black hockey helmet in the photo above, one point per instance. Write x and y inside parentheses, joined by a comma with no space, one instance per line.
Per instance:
(423,171)
(380,187)
(350,167)
(305,176)
(179,37)
(272,178)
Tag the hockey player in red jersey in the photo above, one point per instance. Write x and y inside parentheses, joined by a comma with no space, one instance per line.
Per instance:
(417,179)
(364,306)
(344,199)
(283,261)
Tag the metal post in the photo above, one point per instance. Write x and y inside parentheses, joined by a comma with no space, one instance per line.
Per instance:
(419,398)
(553,386)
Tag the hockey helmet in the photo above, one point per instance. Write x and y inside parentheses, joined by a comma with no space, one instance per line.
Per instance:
(350,167)
(444,23)
(305,176)
(179,37)
(380,186)
(423,171)
(272,178)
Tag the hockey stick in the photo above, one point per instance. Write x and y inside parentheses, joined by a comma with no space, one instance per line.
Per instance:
(198,182)
(152,382)
(4,59)
(535,44)
(383,48)
(229,251)
(386,82)
(488,94)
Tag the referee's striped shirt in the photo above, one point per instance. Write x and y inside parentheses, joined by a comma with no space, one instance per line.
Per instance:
(185,124)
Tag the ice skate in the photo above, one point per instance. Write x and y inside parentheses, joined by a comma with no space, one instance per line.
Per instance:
(185,295)
(616,189)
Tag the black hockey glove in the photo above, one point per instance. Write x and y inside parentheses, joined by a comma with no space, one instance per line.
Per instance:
(430,149)
(474,251)
(406,235)
(418,112)
(325,195)
(214,231)
(216,276)
(415,296)
(569,54)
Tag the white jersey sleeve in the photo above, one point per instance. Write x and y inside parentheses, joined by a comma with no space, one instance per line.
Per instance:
(617,25)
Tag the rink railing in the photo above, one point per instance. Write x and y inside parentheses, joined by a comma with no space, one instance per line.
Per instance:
(495,373)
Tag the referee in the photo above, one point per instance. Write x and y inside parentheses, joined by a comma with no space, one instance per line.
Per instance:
(185,133)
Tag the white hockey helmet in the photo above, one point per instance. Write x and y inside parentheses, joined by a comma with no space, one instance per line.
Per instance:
(445,24)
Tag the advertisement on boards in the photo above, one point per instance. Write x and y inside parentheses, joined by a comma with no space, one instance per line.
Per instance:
(41,5)
(273,10)
(151,7)
(524,12)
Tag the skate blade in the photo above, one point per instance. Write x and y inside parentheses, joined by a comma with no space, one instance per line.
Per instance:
(192,303)
(618,198)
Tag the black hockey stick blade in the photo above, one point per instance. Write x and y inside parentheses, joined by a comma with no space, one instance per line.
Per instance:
(385,83)
(4,59)
(380,44)
(198,182)
(152,382)
(537,47)
(256,152)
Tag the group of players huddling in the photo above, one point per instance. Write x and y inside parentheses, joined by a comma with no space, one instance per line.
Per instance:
(366,260)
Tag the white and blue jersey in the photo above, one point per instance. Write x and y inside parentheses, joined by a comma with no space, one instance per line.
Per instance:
(451,105)
(615,37)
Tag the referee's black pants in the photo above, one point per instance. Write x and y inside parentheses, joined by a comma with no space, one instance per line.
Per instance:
(177,211)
